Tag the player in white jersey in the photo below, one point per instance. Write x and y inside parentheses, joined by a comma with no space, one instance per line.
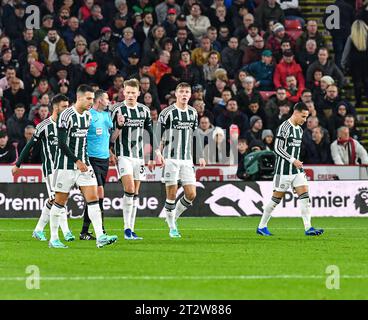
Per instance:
(46,134)
(128,140)
(178,122)
(73,167)
(289,171)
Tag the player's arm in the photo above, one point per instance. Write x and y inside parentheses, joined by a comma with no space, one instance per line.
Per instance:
(163,120)
(119,120)
(24,154)
(148,128)
(199,144)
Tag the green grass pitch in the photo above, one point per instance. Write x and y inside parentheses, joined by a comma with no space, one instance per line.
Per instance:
(217,258)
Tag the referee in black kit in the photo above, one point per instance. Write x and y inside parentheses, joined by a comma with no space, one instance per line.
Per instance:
(98,142)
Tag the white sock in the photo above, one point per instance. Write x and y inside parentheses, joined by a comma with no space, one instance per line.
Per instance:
(267,212)
(127,209)
(170,213)
(64,222)
(94,213)
(44,218)
(134,212)
(55,213)
(305,210)
(182,205)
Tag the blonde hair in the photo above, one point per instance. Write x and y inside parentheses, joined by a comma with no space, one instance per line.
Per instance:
(359,34)
(131,83)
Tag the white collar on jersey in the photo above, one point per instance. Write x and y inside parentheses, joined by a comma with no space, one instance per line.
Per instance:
(183,110)
(136,105)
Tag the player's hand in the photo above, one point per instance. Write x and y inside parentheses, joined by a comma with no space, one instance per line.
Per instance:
(121,120)
(15,170)
(113,160)
(298,164)
(160,161)
(151,165)
(202,162)
(81,166)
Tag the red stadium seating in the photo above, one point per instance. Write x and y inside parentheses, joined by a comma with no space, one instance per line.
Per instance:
(266,94)
(293,25)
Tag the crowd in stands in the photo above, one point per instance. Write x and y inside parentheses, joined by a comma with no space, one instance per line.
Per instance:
(248,62)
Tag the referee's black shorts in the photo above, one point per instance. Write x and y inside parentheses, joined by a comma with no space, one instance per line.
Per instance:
(100,167)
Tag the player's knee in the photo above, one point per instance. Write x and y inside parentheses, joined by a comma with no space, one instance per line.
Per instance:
(191,195)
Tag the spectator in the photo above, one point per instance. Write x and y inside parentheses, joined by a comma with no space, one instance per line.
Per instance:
(255,131)
(210,68)
(332,100)
(10,73)
(248,95)
(273,103)
(242,152)
(144,28)
(307,55)
(212,35)
(17,122)
(15,94)
(170,23)
(224,35)
(199,105)
(80,54)
(71,31)
(219,16)
(51,46)
(93,25)
(291,10)
(287,67)
(189,71)
(42,88)
(311,33)
(167,85)
(231,57)
(106,35)
(34,155)
(279,37)
(267,11)
(196,22)
(337,120)
(268,139)
(319,88)
(355,58)
(237,86)
(248,40)
(117,85)
(14,23)
(152,44)
(161,66)
(61,22)
(263,71)
(242,30)
(85,11)
(346,150)
(349,121)
(43,101)
(328,67)
(20,45)
(214,91)
(232,116)
(317,151)
(47,24)
(149,102)
(294,90)
(128,45)
(163,7)
(182,42)
(8,153)
(282,114)
(197,93)
(254,53)
(200,54)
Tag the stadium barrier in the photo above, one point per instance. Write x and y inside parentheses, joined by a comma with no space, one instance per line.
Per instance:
(237,198)
(33,173)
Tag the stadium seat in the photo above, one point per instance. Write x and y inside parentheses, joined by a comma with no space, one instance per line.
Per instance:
(293,25)
(266,94)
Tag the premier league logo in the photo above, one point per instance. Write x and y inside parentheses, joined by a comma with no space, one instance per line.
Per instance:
(361,200)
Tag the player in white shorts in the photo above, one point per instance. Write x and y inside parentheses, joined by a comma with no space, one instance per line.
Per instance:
(128,148)
(289,171)
(178,123)
(46,134)
(73,167)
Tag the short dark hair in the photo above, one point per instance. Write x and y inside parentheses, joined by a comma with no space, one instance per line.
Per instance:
(306,91)
(83,88)
(20,105)
(99,93)
(300,106)
(59,98)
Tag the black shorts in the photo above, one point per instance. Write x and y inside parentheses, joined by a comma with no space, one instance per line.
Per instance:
(100,167)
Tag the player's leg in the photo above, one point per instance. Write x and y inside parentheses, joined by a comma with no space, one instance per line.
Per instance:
(188,180)
(171,189)
(57,210)
(91,196)
(137,185)
(301,187)
(85,234)
(44,219)
(171,176)
(280,185)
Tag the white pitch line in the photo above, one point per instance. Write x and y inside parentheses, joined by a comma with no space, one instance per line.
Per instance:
(182,278)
